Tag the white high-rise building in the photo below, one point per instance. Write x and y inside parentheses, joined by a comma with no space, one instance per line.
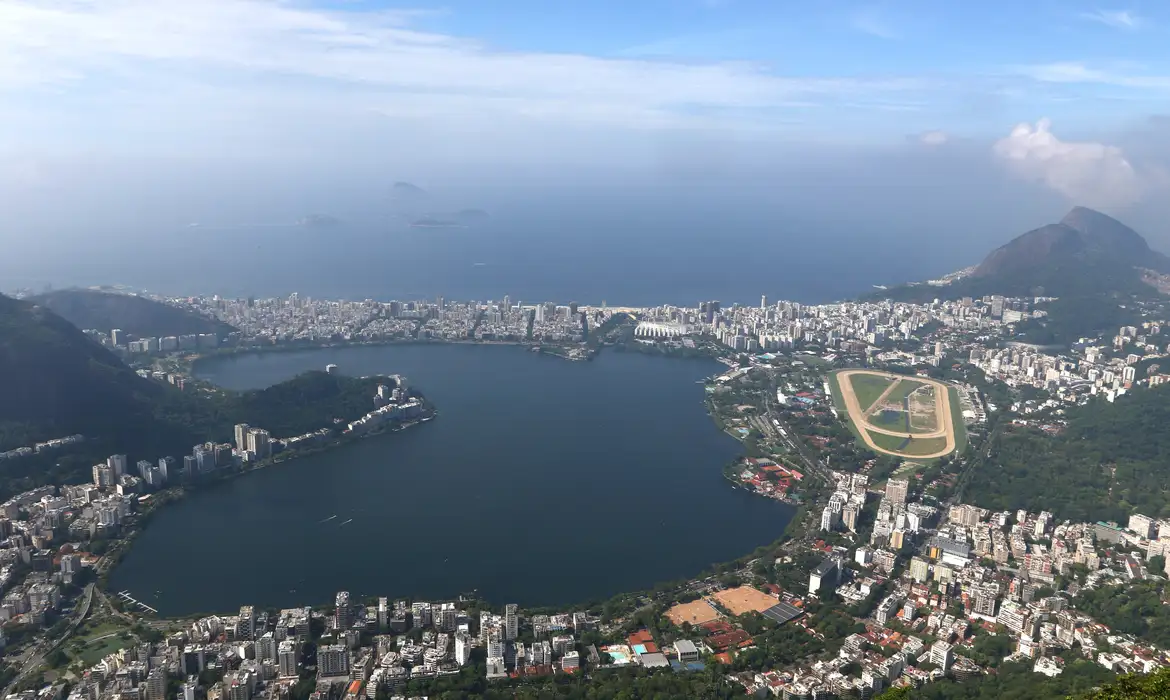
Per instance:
(117,464)
(897,489)
(259,443)
(462,649)
(941,655)
(383,613)
(286,658)
(242,437)
(266,647)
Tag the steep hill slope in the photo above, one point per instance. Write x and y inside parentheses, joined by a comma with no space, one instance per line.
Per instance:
(55,381)
(1083,236)
(104,311)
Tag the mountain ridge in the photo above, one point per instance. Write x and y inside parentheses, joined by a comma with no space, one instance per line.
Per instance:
(101,310)
(1084,234)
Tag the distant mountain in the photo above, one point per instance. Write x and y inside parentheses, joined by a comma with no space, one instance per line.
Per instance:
(1085,254)
(406,192)
(1082,236)
(104,311)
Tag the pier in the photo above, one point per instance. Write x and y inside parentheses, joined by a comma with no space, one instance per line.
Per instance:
(125,595)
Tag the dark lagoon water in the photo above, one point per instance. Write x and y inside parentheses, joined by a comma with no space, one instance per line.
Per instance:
(542,481)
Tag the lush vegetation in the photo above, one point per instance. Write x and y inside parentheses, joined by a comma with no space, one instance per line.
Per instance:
(55,381)
(1136,609)
(1112,459)
(1012,681)
(1074,317)
(104,311)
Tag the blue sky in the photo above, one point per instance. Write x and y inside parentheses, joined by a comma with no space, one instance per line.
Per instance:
(471,81)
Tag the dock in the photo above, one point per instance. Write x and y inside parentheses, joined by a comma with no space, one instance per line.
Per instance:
(125,595)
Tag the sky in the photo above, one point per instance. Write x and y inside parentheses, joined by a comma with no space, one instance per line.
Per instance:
(1022,107)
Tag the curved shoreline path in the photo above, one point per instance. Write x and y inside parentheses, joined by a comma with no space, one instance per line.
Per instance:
(859,416)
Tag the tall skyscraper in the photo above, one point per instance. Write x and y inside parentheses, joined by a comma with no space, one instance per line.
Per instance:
(118,337)
(259,443)
(763,301)
(169,467)
(242,437)
(117,464)
(247,622)
(383,614)
(342,616)
(511,622)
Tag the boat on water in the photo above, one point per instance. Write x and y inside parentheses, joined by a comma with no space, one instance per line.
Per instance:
(347,522)
(331,517)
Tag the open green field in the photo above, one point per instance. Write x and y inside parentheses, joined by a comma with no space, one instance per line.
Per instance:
(868,388)
(96,640)
(905,388)
(918,446)
(890,420)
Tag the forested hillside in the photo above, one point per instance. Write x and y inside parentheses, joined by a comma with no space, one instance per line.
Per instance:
(1112,459)
(55,381)
(104,311)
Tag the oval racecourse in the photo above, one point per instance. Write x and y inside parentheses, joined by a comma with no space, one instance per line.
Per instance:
(894,414)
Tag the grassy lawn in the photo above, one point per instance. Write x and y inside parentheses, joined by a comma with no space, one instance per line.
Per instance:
(905,388)
(868,388)
(919,446)
(96,650)
(890,420)
(99,638)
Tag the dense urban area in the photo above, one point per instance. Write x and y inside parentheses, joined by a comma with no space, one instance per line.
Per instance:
(951,576)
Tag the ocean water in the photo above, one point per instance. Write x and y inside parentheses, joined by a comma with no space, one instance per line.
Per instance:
(541,482)
(633,256)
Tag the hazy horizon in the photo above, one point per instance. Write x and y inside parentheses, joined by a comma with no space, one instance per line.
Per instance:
(876,144)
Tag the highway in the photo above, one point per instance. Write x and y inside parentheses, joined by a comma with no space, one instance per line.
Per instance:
(36,655)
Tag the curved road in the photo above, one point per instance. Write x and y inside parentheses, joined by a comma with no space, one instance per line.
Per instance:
(858,415)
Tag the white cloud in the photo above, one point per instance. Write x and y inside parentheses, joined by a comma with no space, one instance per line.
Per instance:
(1074,72)
(1088,173)
(1120,19)
(934,138)
(360,60)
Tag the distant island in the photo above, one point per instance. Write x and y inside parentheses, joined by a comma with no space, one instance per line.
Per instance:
(460,219)
(319,221)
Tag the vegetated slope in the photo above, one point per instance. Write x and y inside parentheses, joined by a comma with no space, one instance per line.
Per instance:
(1082,680)
(1112,459)
(55,381)
(1083,235)
(104,311)
(1085,253)
(1089,260)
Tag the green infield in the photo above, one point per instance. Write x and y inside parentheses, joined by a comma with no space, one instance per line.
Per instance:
(908,447)
(868,388)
